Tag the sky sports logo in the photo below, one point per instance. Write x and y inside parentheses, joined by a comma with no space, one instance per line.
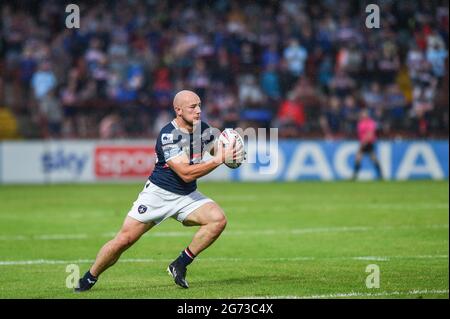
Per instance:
(61,160)
(124,161)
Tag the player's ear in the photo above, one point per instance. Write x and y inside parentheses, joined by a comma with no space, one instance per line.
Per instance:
(176,109)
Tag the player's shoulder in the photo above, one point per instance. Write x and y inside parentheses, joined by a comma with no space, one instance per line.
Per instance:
(204,125)
(168,133)
(168,128)
(208,130)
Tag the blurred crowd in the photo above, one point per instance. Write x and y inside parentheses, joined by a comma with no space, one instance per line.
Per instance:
(306,67)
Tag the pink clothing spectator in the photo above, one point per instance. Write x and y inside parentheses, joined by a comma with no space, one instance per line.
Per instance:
(367,130)
(292,111)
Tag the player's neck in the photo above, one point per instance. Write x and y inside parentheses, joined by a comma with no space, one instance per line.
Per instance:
(182,124)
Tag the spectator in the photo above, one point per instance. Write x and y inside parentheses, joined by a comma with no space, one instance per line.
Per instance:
(414,61)
(122,61)
(199,78)
(221,71)
(270,83)
(28,66)
(349,59)
(250,94)
(110,127)
(325,73)
(51,114)
(395,104)
(436,55)
(43,80)
(162,86)
(332,118)
(424,89)
(295,55)
(342,84)
(373,97)
(8,124)
(350,114)
(290,116)
(270,58)
(389,64)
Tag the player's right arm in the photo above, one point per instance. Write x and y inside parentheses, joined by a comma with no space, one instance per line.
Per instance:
(188,173)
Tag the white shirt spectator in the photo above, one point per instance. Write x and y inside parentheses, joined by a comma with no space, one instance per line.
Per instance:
(436,56)
(295,56)
(42,82)
(414,61)
(249,91)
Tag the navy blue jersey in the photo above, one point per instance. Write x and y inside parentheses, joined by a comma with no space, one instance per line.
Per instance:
(173,142)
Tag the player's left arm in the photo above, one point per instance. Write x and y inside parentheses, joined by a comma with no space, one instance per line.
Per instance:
(188,173)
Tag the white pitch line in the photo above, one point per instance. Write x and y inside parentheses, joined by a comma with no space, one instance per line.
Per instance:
(266,232)
(77,261)
(43,262)
(355,294)
(315,206)
(262,259)
(60,237)
(372,258)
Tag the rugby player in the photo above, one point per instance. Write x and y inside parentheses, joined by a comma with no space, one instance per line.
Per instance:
(170,191)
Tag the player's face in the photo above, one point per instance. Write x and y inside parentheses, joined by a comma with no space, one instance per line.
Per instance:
(190,112)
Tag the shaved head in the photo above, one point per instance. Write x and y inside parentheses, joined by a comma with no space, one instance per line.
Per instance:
(184,98)
(187,106)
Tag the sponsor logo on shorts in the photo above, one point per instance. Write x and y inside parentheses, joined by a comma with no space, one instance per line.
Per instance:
(142,209)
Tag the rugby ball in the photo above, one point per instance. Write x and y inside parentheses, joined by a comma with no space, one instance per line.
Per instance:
(229,136)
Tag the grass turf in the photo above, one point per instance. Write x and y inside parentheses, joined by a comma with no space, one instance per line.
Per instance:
(307,239)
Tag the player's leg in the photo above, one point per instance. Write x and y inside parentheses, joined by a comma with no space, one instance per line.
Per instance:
(357,165)
(375,161)
(108,255)
(130,232)
(212,221)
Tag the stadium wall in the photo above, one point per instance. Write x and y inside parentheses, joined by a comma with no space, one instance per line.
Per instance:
(291,160)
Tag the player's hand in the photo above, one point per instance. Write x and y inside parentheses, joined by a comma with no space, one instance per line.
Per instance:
(239,153)
(226,153)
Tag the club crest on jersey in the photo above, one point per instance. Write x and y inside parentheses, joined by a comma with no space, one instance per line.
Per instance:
(166,138)
(142,209)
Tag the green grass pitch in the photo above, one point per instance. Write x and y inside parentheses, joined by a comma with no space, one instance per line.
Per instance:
(283,240)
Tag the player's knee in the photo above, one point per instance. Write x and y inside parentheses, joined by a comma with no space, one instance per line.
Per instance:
(219,223)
